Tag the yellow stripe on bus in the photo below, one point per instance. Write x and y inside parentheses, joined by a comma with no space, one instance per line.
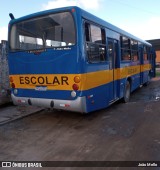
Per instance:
(145,67)
(65,81)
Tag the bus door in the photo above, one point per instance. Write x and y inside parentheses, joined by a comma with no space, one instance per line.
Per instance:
(152,61)
(112,55)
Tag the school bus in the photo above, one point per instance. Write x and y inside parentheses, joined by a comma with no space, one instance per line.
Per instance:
(69,59)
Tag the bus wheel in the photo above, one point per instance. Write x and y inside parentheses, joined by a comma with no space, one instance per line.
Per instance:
(127,92)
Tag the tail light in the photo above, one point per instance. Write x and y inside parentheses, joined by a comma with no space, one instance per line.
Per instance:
(75,87)
(77,80)
(12,82)
(13,85)
(11,79)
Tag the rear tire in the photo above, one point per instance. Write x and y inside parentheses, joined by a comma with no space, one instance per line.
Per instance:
(127,92)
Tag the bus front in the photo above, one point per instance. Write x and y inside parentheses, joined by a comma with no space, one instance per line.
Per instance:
(44,60)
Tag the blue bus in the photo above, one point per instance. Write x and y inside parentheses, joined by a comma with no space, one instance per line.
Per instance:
(69,59)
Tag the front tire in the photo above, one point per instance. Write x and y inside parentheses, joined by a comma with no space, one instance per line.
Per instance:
(127,92)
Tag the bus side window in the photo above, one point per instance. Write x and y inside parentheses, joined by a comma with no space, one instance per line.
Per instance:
(134,50)
(125,49)
(95,43)
(87,32)
(145,55)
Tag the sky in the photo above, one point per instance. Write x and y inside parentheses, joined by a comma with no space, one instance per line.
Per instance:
(138,17)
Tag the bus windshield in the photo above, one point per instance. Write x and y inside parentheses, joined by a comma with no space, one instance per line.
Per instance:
(53,30)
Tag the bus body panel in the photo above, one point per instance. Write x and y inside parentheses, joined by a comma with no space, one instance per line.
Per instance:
(49,62)
(64,78)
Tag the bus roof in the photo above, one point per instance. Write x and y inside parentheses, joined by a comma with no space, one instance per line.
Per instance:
(86,15)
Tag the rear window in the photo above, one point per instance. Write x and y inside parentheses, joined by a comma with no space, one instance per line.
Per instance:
(54,30)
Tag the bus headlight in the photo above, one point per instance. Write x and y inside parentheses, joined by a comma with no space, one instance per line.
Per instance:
(73,94)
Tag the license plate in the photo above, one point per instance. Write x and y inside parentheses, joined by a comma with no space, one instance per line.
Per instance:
(40,88)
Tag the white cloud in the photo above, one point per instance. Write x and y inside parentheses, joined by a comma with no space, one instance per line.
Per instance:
(86,4)
(3,33)
(148,29)
(152,28)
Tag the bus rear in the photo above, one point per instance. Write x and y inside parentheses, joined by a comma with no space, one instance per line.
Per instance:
(45,61)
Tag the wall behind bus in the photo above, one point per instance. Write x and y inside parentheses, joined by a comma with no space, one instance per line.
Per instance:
(158,56)
(156,45)
(4,73)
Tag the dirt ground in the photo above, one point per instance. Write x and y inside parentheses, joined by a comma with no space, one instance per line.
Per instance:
(122,132)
